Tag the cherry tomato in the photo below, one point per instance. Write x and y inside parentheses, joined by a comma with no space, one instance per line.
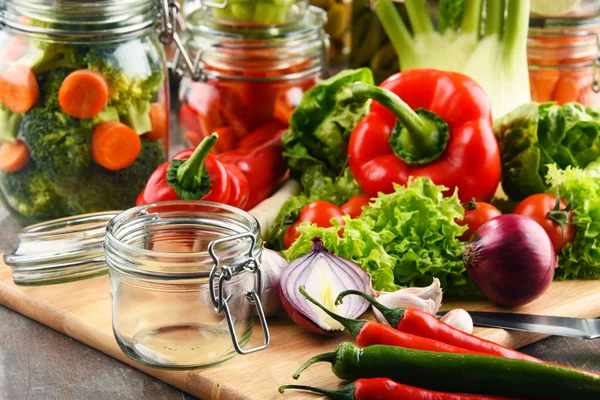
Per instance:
(354,206)
(555,219)
(477,213)
(318,212)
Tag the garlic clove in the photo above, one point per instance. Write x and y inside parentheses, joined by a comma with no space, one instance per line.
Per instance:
(459,319)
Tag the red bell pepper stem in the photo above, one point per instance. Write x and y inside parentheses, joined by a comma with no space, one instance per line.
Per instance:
(418,137)
(367,333)
(189,174)
(386,389)
(419,323)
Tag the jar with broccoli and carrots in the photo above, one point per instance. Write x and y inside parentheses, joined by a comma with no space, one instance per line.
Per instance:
(83,105)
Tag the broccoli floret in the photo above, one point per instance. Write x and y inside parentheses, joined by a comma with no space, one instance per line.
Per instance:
(29,193)
(58,143)
(9,125)
(108,114)
(134,78)
(43,57)
(113,190)
(136,115)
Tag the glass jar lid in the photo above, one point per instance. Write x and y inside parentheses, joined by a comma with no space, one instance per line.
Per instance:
(61,250)
(79,18)
(297,49)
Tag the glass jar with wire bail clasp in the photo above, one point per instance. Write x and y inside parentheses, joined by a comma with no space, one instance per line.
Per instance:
(84,105)
(564,59)
(184,278)
(251,78)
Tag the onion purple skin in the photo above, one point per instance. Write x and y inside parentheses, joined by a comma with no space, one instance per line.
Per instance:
(511,260)
(299,309)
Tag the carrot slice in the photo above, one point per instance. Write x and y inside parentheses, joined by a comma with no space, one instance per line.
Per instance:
(542,83)
(13,156)
(19,90)
(83,93)
(115,145)
(567,89)
(159,119)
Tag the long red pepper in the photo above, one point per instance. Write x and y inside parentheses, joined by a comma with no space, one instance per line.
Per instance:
(416,322)
(387,389)
(367,333)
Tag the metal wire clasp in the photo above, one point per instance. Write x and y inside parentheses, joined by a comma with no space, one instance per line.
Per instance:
(219,274)
(169,22)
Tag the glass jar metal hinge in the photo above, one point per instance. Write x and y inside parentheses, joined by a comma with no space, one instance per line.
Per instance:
(169,18)
(219,274)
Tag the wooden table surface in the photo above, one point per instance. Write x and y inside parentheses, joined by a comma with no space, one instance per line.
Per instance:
(37,362)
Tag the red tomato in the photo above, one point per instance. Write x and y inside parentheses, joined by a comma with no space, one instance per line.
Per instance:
(555,219)
(477,213)
(354,206)
(318,212)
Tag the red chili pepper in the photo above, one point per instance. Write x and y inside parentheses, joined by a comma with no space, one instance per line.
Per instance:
(448,137)
(387,389)
(263,167)
(192,175)
(367,333)
(419,323)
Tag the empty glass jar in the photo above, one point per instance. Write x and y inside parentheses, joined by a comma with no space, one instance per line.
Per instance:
(184,278)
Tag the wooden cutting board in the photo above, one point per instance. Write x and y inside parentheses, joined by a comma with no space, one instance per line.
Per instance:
(82,310)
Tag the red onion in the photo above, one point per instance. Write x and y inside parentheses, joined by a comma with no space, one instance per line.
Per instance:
(511,259)
(324,277)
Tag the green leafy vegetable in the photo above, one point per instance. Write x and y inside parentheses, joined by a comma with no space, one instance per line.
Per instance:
(317,186)
(322,123)
(497,60)
(580,259)
(535,135)
(405,238)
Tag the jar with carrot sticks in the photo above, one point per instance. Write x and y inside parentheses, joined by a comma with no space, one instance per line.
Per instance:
(563,60)
(84,106)
(252,79)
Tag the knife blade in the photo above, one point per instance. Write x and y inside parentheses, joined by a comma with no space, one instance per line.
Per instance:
(549,325)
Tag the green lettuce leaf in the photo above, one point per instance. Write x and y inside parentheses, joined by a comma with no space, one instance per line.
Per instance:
(580,259)
(405,238)
(535,135)
(321,124)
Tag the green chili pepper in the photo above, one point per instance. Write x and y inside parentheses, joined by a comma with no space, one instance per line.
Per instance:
(460,373)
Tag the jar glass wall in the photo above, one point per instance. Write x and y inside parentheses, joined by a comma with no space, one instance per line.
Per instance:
(160,264)
(84,106)
(253,78)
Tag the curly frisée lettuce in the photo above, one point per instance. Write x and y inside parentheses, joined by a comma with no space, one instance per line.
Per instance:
(580,259)
(405,238)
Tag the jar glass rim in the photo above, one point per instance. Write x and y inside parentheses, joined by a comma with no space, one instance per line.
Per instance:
(173,264)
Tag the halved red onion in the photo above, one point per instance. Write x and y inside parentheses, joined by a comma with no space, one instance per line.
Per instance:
(324,276)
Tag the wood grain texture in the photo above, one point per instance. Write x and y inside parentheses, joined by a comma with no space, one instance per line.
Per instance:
(82,311)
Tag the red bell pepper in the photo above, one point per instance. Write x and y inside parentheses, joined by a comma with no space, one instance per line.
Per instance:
(192,175)
(429,123)
(263,166)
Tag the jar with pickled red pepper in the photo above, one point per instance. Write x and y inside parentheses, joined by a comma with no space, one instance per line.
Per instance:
(84,106)
(252,79)
(563,60)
